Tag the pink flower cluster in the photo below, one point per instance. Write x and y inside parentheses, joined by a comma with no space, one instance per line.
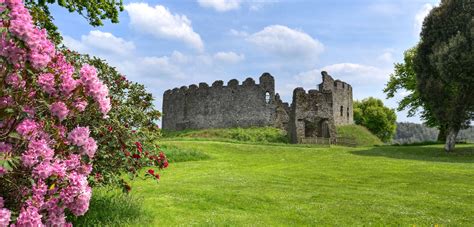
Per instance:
(27,128)
(66,71)
(4,214)
(80,137)
(15,81)
(40,49)
(95,88)
(6,101)
(47,83)
(49,205)
(59,109)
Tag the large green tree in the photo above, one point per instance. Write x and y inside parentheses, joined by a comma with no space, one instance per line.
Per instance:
(376,117)
(444,64)
(404,80)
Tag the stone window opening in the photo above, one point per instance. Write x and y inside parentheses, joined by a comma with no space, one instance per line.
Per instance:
(267,97)
(342,111)
(347,113)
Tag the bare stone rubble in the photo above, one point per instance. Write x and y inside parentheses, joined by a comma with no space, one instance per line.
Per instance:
(312,115)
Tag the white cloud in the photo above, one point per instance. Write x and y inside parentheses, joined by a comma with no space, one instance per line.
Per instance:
(386,57)
(420,17)
(229,57)
(309,77)
(357,73)
(161,23)
(352,73)
(286,42)
(220,5)
(160,66)
(256,5)
(97,42)
(238,33)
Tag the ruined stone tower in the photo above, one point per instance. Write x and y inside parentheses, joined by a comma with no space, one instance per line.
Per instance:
(312,114)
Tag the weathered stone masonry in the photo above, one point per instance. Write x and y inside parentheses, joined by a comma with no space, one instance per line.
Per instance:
(311,115)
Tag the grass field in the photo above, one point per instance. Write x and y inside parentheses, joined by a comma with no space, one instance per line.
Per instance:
(248,184)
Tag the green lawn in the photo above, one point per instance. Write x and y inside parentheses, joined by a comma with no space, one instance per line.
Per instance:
(246,184)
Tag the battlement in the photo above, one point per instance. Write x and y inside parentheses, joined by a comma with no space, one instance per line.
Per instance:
(266,82)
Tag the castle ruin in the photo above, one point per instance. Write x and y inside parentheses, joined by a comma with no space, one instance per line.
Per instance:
(312,114)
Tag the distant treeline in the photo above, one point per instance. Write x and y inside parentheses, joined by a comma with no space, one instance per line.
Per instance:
(415,133)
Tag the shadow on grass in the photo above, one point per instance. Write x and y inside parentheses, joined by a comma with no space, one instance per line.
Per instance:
(462,154)
(111,208)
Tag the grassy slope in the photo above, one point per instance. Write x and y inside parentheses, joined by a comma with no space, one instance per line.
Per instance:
(244,184)
(361,135)
(264,134)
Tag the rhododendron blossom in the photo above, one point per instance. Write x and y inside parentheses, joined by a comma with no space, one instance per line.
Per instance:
(47,83)
(27,127)
(60,110)
(80,105)
(4,214)
(95,88)
(79,136)
(15,81)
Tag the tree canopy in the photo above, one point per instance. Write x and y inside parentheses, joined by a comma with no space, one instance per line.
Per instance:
(404,79)
(443,66)
(376,117)
(95,11)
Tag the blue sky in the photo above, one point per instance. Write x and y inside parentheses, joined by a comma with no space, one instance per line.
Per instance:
(170,43)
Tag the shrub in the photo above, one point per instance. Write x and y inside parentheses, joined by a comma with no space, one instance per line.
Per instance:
(54,118)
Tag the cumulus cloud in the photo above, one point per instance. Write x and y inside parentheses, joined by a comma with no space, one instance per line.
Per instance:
(286,42)
(120,53)
(349,72)
(229,57)
(97,42)
(220,5)
(161,23)
(420,17)
(357,73)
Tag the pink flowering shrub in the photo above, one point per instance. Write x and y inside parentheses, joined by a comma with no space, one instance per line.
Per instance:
(59,134)
(46,152)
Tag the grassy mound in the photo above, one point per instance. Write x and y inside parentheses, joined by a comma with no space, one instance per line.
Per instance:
(265,134)
(360,135)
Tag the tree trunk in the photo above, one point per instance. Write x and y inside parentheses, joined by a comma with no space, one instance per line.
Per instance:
(450,139)
(442,134)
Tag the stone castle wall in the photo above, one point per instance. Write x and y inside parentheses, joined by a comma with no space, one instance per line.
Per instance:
(222,106)
(342,99)
(312,114)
